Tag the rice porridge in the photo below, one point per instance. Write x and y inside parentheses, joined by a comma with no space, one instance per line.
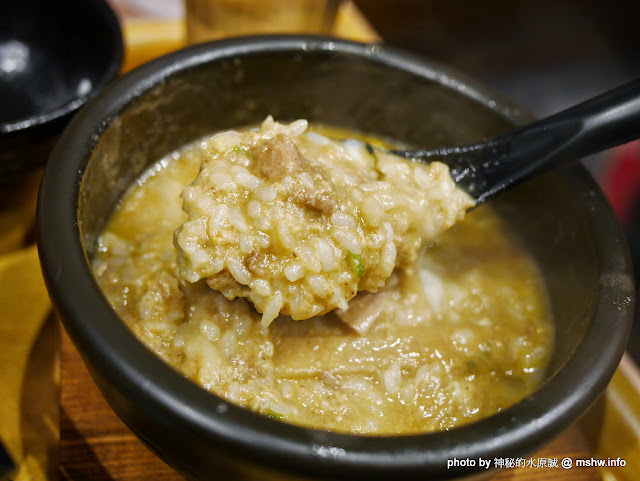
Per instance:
(282,223)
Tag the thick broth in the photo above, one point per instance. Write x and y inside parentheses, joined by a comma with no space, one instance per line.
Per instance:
(464,335)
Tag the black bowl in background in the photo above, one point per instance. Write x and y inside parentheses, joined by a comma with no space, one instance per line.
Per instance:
(562,217)
(54,56)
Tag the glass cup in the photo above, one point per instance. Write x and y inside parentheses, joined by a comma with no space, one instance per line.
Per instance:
(213,19)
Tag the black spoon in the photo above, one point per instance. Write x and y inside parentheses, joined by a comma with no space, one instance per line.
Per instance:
(497,164)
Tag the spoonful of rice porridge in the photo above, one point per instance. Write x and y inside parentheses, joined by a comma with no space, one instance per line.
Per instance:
(299,223)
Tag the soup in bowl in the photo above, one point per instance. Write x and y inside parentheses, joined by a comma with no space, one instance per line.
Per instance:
(484,341)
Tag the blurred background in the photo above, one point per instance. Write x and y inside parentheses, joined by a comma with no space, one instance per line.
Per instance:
(545,55)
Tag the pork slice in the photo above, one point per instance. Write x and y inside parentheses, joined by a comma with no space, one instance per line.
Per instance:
(365,310)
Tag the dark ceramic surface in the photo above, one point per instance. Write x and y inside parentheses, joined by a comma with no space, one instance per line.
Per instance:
(562,217)
(54,56)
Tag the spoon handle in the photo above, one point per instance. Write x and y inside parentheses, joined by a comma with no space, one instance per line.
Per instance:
(487,168)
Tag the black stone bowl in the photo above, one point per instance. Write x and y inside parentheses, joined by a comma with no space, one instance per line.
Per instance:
(54,56)
(562,217)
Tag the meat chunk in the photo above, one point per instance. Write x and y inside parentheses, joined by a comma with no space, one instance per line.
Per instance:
(278,157)
(364,310)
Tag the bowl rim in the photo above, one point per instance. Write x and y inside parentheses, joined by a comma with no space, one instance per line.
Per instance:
(60,114)
(127,363)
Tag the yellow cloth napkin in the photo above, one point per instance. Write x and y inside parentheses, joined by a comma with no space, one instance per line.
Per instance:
(29,343)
